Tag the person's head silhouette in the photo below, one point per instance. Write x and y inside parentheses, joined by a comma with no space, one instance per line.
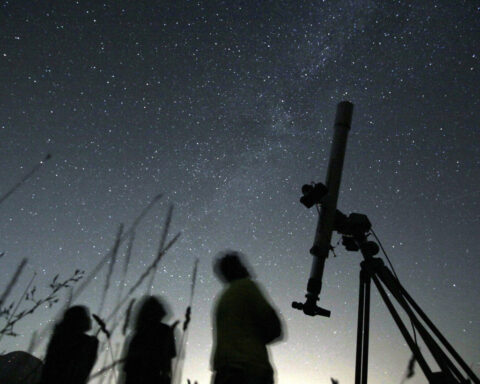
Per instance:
(151,312)
(76,319)
(229,267)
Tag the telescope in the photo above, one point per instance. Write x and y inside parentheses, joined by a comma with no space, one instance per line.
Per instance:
(355,230)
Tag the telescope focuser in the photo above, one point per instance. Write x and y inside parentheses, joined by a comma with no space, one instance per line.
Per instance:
(313,194)
(310,307)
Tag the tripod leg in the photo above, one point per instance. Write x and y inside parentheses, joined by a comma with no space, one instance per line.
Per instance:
(443,361)
(366,326)
(439,335)
(359,364)
(403,329)
(361,303)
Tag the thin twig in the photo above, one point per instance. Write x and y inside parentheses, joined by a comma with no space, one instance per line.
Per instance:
(25,178)
(13,281)
(111,266)
(127,317)
(177,371)
(49,300)
(105,357)
(109,254)
(105,369)
(19,302)
(114,358)
(33,342)
(144,275)
(163,238)
(126,264)
(68,300)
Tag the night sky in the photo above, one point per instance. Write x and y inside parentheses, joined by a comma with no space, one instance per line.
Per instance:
(227,108)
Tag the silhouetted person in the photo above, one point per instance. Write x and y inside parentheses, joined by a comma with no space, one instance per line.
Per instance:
(244,324)
(71,353)
(152,347)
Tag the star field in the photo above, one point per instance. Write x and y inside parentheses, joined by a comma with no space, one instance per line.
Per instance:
(227,109)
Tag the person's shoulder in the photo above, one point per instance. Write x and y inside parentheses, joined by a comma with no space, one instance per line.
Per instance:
(245,282)
(164,329)
(90,340)
(246,285)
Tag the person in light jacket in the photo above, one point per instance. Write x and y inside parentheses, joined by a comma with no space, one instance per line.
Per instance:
(244,324)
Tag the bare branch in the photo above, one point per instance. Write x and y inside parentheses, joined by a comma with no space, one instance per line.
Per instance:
(49,301)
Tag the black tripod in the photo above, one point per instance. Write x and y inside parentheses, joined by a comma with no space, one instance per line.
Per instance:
(373,268)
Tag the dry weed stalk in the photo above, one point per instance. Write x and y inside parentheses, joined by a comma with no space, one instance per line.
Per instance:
(25,178)
(111,266)
(109,254)
(127,317)
(86,281)
(126,264)
(178,368)
(105,369)
(13,281)
(163,238)
(144,275)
